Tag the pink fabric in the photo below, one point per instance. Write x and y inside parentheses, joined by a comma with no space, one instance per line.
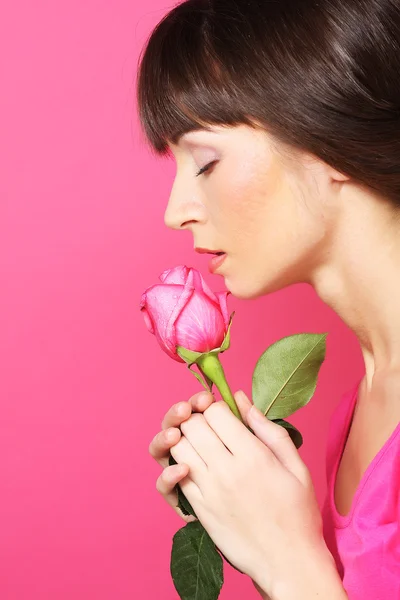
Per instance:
(366,542)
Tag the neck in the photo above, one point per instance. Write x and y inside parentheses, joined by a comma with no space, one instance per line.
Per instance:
(360,279)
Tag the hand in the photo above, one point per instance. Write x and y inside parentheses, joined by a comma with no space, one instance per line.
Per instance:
(169,436)
(254,495)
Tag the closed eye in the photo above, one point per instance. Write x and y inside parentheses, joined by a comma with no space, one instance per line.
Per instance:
(206,168)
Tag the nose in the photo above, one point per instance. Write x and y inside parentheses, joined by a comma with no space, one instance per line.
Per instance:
(183,209)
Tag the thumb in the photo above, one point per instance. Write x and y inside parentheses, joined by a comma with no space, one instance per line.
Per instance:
(278,440)
(243,404)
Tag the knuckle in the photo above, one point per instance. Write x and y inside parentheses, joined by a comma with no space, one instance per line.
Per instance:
(278,433)
(200,396)
(201,401)
(160,485)
(165,422)
(166,437)
(170,415)
(153,444)
(167,415)
(282,433)
(215,409)
(194,419)
(179,409)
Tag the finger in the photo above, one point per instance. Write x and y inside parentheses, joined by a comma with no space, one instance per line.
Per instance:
(166,486)
(243,403)
(192,492)
(204,439)
(176,414)
(201,401)
(231,431)
(161,444)
(183,452)
(278,440)
(181,411)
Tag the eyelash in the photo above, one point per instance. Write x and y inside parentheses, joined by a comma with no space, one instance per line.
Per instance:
(204,169)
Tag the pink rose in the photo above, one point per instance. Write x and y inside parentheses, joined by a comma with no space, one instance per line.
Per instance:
(183,311)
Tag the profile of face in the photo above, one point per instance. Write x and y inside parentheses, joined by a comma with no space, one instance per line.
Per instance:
(271,214)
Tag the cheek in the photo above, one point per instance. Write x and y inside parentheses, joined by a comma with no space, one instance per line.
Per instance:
(259,203)
(240,191)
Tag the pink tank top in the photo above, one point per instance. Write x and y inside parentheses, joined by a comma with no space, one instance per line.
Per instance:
(366,542)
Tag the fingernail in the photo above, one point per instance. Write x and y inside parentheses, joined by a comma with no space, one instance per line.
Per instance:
(242,396)
(256,414)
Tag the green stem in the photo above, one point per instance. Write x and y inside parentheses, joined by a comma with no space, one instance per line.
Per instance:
(212,367)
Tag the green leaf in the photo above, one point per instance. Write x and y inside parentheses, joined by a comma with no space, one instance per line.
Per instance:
(196,565)
(189,356)
(294,433)
(183,502)
(203,379)
(285,376)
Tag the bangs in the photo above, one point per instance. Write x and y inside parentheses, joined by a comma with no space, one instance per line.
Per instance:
(319,77)
(184,82)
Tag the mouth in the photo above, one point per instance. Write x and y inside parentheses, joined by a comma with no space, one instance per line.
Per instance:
(216,261)
(218,257)
(207,251)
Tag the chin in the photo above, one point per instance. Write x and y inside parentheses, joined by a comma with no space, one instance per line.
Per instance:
(250,289)
(243,290)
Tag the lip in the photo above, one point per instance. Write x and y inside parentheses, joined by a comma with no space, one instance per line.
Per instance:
(207,251)
(216,262)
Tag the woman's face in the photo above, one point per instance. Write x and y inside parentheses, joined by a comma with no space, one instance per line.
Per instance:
(268,214)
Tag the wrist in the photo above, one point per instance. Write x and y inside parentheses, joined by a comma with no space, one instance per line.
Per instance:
(307,576)
(315,578)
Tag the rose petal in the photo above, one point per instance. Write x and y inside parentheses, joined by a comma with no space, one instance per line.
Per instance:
(179,307)
(199,284)
(222,300)
(161,303)
(147,320)
(200,326)
(184,311)
(177,275)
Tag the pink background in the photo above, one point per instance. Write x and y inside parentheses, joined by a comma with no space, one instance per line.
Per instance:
(83,385)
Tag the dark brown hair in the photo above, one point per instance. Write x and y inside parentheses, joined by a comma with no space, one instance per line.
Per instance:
(322,76)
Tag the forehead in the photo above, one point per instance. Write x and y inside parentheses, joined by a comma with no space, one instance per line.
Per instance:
(177,142)
(217,131)
(182,136)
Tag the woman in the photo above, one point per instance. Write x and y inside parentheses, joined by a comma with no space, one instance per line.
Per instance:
(288,114)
